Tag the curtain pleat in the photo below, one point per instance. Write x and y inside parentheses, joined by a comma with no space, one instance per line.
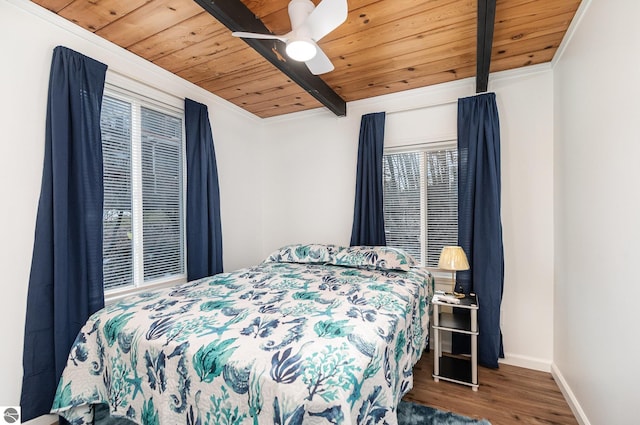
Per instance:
(65,283)
(368,216)
(479,222)
(204,228)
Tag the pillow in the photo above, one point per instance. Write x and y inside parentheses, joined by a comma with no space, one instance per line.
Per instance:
(375,257)
(304,253)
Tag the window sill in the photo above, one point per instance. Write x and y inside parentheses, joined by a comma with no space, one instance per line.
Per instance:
(116,295)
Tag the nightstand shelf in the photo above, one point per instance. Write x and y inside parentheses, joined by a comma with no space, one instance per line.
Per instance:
(459,369)
(455,369)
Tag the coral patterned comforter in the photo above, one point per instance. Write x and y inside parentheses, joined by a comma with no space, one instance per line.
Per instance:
(279,343)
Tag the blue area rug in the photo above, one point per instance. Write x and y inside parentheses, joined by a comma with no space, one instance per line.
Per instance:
(410,413)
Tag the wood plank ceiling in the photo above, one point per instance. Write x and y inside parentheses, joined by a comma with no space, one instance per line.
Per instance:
(385,46)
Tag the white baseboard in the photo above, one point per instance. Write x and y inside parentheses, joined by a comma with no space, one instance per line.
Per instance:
(581,417)
(43,420)
(526,362)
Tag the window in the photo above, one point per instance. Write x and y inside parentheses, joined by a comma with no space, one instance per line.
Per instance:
(143,216)
(421,200)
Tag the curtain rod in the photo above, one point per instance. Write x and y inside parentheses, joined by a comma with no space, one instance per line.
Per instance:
(417,108)
(143,83)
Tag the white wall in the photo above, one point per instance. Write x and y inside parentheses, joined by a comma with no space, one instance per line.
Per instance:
(526,125)
(303,180)
(309,186)
(597,116)
(27,39)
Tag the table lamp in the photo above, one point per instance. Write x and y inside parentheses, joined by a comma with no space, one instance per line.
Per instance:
(453,258)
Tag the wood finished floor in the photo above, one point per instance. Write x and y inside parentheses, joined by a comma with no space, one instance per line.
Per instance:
(508,395)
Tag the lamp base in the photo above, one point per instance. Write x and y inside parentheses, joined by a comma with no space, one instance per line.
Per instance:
(453,286)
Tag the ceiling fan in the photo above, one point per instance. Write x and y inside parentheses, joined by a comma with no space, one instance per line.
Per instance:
(309,24)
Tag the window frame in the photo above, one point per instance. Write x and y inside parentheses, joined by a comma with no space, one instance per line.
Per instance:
(424,147)
(141,95)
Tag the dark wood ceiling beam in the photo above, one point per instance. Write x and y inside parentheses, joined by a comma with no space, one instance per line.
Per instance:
(237,17)
(486,20)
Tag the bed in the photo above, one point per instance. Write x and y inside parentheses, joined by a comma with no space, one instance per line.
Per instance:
(316,334)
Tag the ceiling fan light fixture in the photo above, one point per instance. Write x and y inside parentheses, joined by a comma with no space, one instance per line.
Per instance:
(301,50)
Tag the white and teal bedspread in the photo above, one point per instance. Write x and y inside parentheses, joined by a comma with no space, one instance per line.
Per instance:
(278,343)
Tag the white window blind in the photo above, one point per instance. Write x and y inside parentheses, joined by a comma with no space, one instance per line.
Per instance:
(421,201)
(115,123)
(143,220)
(161,194)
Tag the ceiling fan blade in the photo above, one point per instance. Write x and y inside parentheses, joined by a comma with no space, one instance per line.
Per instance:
(320,63)
(242,34)
(326,17)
